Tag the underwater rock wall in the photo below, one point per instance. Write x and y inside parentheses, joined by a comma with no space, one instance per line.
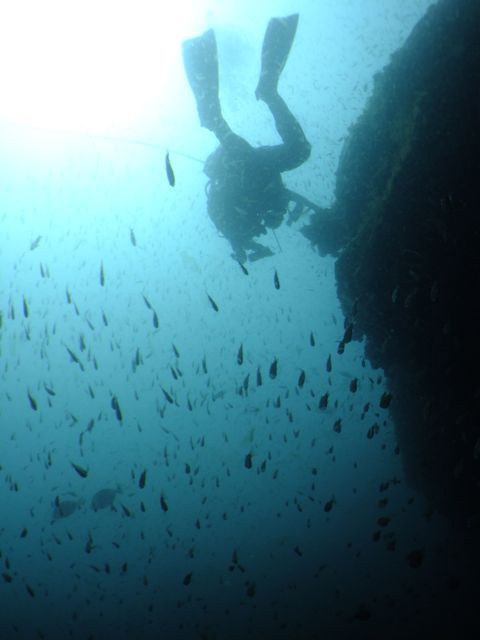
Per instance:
(407,234)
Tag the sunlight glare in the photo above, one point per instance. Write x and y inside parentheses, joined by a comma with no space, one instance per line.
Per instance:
(92,65)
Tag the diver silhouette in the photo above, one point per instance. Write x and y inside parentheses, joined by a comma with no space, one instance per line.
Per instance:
(245,192)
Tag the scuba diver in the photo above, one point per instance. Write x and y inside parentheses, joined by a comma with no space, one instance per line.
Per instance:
(245,192)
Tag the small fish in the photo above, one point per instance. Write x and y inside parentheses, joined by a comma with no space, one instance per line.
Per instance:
(83,473)
(323,404)
(138,358)
(175,351)
(301,379)
(243,268)
(89,546)
(104,499)
(329,363)
(187,579)
(163,503)
(240,355)
(133,239)
(312,339)
(213,303)
(415,558)
(74,358)
(143,479)
(126,511)
(149,306)
(385,400)
(31,592)
(156,323)
(276,281)
(259,377)
(248,461)
(102,275)
(273,369)
(25,308)
(33,402)
(116,407)
(169,170)
(354,385)
(347,336)
(168,397)
(329,505)
(35,243)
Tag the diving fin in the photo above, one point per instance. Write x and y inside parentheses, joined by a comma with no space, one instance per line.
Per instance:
(277,43)
(201,67)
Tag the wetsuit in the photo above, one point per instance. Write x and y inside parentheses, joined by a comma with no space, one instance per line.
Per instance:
(246,193)
(245,190)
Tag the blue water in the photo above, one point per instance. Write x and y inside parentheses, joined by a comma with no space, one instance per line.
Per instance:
(261,556)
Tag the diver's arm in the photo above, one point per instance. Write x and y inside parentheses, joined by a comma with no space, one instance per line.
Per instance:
(299,199)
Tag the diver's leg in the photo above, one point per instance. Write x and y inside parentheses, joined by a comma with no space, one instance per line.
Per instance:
(286,124)
(277,43)
(295,149)
(201,67)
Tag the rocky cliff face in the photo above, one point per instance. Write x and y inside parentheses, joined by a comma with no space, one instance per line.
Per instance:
(407,232)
